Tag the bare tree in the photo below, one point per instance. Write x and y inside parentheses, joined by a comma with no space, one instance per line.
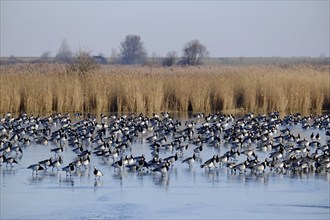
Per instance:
(82,63)
(132,50)
(170,59)
(64,54)
(194,52)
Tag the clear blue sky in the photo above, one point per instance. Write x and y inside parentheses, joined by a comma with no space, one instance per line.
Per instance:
(226,28)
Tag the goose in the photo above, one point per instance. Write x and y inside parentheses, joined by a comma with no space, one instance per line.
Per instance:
(277,154)
(130,160)
(57,150)
(2,158)
(278,139)
(241,167)
(171,159)
(260,168)
(223,159)
(78,150)
(122,147)
(303,143)
(18,150)
(210,163)
(249,153)
(298,150)
(77,163)
(7,149)
(154,162)
(152,138)
(190,160)
(251,163)
(118,165)
(230,165)
(42,141)
(313,137)
(9,160)
(139,158)
(105,154)
(46,163)
(103,118)
(139,165)
(298,165)
(327,133)
(314,144)
(69,169)
(125,160)
(323,165)
(266,147)
(181,148)
(85,154)
(155,152)
(14,138)
(161,140)
(26,142)
(277,165)
(199,149)
(85,161)
(162,168)
(97,173)
(165,114)
(113,153)
(35,168)
(168,147)
(233,154)
(56,163)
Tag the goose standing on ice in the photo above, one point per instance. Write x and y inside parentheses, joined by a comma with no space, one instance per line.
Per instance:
(97,173)
(190,160)
(35,168)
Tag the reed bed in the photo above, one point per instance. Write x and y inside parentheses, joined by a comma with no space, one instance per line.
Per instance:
(44,88)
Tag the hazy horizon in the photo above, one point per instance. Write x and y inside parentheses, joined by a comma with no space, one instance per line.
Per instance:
(226,28)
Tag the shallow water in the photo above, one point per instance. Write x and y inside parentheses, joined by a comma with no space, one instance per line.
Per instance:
(182,193)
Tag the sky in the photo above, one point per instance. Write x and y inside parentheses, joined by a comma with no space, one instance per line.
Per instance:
(226,28)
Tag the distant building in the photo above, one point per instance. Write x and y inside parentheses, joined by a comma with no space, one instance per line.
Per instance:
(100,60)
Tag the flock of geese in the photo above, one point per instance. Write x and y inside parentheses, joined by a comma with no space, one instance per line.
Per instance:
(251,143)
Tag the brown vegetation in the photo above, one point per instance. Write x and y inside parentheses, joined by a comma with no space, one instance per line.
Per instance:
(44,88)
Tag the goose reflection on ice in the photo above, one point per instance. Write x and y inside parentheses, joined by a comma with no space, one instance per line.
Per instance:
(162,180)
(98,183)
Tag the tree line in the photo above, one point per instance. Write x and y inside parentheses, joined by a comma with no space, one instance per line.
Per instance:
(132,52)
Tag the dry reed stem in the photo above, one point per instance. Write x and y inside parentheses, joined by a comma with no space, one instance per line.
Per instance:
(49,88)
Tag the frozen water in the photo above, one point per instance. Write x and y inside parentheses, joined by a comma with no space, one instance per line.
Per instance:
(182,193)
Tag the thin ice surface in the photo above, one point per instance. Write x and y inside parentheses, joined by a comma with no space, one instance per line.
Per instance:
(183,193)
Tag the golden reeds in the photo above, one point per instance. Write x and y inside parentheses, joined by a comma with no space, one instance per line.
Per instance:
(44,88)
